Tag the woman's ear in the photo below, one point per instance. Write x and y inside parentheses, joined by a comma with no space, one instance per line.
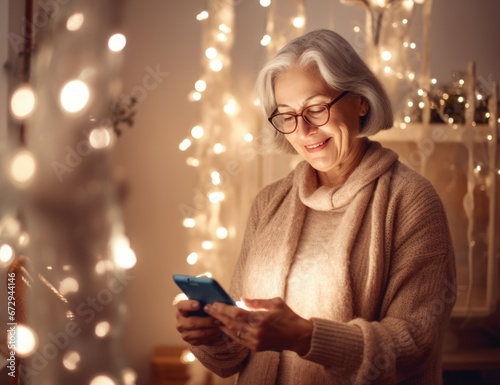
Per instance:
(363,107)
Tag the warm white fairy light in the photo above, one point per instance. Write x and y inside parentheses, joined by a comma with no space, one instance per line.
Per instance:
(402,125)
(200,85)
(6,254)
(408,4)
(197,132)
(479,97)
(71,360)
(298,22)
(216,65)
(404,21)
(117,42)
(420,92)
(211,53)
(421,105)
(216,196)
(231,107)
(222,37)
(102,380)
(193,162)
(103,266)
(460,99)
(221,232)
(266,39)
(75,22)
(387,69)
(185,144)
(413,45)
(26,340)
(203,15)
(434,81)
(68,285)
(445,96)
(215,176)
(195,96)
(450,120)
(406,44)
(461,82)
(123,255)
(100,138)
(265,3)
(22,167)
(187,357)
(102,329)
(224,28)
(189,222)
(386,55)
(248,137)
(407,119)
(410,103)
(357,29)
(23,102)
(129,376)
(192,258)
(489,137)
(74,96)
(219,148)
(207,245)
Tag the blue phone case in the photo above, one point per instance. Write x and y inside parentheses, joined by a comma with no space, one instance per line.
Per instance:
(203,289)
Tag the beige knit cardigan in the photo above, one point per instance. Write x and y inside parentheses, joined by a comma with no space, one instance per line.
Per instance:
(390,291)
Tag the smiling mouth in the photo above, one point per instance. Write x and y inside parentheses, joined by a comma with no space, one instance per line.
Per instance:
(312,147)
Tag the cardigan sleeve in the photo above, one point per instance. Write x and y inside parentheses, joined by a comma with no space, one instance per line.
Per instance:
(419,296)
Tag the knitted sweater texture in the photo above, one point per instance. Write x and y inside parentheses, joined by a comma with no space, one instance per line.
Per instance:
(371,263)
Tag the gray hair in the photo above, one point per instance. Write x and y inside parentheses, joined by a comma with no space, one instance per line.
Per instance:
(341,68)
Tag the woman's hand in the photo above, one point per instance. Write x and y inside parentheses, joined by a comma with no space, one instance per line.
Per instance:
(196,330)
(269,325)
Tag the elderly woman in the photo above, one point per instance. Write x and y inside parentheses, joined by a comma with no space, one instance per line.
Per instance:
(347,268)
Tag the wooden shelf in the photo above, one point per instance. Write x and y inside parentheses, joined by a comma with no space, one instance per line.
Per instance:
(472,359)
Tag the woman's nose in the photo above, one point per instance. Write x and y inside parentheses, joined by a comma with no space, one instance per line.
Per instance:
(304,128)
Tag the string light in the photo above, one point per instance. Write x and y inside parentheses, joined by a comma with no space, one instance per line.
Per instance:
(102,329)
(203,15)
(27,340)
(197,132)
(266,39)
(386,55)
(248,137)
(185,144)
(193,162)
(211,53)
(23,102)
(22,168)
(219,148)
(298,22)
(68,285)
(6,254)
(100,138)
(207,245)
(187,357)
(192,258)
(75,22)
(200,85)
(102,380)
(216,65)
(74,96)
(265,3)
(231,107)
(71,360)
(117,42)
(189,222)
(221,232)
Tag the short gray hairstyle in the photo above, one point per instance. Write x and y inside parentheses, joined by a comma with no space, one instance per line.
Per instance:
(341,68)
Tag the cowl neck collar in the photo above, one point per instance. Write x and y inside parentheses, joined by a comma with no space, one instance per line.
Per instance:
(375,162)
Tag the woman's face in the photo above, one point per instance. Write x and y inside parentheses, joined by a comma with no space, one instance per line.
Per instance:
(334,145)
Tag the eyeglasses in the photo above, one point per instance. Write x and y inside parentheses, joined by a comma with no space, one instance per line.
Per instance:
(316,115)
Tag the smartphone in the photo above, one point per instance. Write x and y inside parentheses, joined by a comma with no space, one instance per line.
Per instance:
(203,289)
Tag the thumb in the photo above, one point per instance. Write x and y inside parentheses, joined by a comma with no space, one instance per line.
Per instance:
(262,304)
